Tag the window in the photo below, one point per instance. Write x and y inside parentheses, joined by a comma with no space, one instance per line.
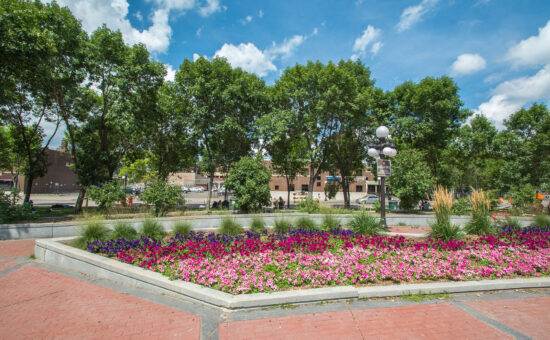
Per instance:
(291,187)
(358,188)
(318,184)
(305,187)
(318,178)
(276,187)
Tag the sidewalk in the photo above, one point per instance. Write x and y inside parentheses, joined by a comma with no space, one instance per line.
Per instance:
(41,301)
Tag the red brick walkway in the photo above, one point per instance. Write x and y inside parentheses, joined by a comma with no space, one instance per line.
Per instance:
(16,248)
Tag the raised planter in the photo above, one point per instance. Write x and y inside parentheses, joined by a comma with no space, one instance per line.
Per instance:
(52,251)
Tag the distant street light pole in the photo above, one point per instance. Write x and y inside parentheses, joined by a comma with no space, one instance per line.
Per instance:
(383,148)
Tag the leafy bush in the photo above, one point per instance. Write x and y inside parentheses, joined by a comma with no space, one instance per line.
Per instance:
(105,196)
(163,196)
(152,229)
(93,231)
(230,227)
(10,212)
(124,230)
(461,206)
(306,223)
(330,222)
(366,224)
(258,224)
(249,180)
(542,221)
(523,195)
(511,222)
(377,206)
(442,206)
(282,225)
(182,228)
(480,222)
(308,205)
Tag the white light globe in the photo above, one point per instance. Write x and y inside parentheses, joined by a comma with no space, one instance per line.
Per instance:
(387,151)
(373,152)
(382,132)
(393,152)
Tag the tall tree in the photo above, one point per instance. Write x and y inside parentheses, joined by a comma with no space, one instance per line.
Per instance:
(224,104)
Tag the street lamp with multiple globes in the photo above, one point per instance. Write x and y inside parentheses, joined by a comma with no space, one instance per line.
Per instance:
(381,149)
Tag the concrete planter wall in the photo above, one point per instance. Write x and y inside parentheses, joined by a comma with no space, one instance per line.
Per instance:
(204,222)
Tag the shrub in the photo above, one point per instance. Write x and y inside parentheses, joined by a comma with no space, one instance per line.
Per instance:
(308,205)
(377,206)
(330,222)
(258,224)
(542,221)
(442,206)
(152,229)
(182,228)
(230,227)
(162,196)
(366,224)
(306,223)
(523,195)
(124,230)
(249,180)
(93,231)
(282,225)
(480,220)
(461,206)
(10,212)
(106,195)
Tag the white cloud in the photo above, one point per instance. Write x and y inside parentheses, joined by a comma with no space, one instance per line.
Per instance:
(467,63)
(510,96)
(246,20)
(370,35)
(248,57)
(532,51)
(260,14)
(288,46)
(315,32)
(114,13)
(212,6)
(413,14)
(170,73)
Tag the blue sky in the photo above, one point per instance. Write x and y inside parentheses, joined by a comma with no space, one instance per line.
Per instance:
(498,51)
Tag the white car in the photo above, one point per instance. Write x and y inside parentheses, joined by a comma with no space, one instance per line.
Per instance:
(369,199)
(184,189)
(196,189)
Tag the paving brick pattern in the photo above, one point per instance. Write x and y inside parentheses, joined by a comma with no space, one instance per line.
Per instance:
(36,303)
(530,316)
(433,321)
(16,248)
(6,264)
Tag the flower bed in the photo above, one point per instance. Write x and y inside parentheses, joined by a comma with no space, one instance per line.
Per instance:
(266,262)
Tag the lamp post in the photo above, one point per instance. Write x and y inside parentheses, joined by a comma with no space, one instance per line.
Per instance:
(381,149)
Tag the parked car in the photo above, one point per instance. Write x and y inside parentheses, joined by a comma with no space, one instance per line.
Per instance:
(196,189)
(369,199)
(184,189)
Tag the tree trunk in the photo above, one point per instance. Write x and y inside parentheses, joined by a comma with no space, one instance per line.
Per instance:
(28,188)
(345,191)
(312,176)
(209,188)
(80,200)
(287,193)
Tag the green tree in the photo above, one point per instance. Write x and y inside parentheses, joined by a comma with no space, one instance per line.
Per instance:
(428,116)
(162,195)
(411,179)
(224,104)
(106,195)
(249,180)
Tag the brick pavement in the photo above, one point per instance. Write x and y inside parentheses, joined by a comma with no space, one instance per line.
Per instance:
(40,303)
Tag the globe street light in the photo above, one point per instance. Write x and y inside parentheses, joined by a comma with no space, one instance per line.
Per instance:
(381,149)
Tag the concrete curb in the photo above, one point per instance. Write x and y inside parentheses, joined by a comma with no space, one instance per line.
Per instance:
(54,252)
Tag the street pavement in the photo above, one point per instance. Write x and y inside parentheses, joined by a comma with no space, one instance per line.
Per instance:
(41,301)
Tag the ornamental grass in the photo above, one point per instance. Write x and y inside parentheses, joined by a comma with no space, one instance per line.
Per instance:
(480,222)
(442,206)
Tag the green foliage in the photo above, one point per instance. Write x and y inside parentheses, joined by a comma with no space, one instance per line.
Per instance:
(162,196)
(105,196)
(282,225)
(10,212)
(411,178)
(523,195)
(377,206)
(304,222)
(249,180)
(331,189)
(152,229)
(542,221)
(480,222)
(365,224)
(257,224)
(93,231)
(329,222)
(124,230)
(461,206)
(442,205)
(511,222)
(308,205)
(230,227)
(446,231)
(182,228)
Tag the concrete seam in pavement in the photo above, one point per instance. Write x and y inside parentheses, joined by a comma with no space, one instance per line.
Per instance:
(355,321)
(14,268)
(492,322)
